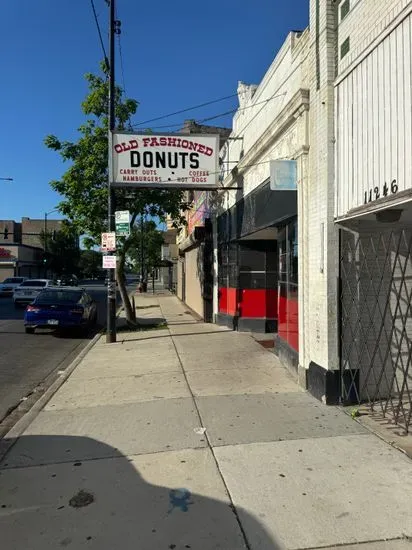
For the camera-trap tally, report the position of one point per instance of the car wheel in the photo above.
(29, 330)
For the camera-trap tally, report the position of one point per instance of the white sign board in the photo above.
(109, 262)
(161, 161)
(108, 242)
(122, 216)
(122, 222)
(283, 175)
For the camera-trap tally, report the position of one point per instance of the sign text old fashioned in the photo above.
(161, 161)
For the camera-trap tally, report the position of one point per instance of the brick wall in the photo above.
(14, 231)
(32, 229)
(318, 252)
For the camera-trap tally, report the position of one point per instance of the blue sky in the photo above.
(175, 54)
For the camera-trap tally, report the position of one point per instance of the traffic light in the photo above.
(6, 233)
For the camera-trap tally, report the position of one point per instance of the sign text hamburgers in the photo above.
(158, 161)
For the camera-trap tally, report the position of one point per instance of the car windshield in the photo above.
(58, 297)
(34, 283)
(13, 280)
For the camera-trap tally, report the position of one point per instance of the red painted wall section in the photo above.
(232, 301)
(293, 324)
(223, 300)
(282, 318)
(254, 303)
(288, 321)
(258, 303)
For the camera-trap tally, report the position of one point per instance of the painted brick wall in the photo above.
(319, 249)
(287, 74)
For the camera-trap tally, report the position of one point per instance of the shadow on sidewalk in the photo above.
(76, 492)
(176, 335)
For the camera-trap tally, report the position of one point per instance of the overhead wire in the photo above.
(185, 110)
(106, 60)
(220, 115)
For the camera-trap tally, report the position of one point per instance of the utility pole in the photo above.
(141, 249)
(111, 286)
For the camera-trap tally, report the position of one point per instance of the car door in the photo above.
(92, 309)
(85, 301)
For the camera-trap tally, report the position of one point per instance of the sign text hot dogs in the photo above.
(158, 161)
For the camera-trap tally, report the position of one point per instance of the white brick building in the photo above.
(355, 213)
(256, 226)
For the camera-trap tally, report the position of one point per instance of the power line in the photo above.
(121, 62)
(220, 115)
(185, 110)
(100, 33)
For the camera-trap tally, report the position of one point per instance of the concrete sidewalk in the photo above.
(193, 436)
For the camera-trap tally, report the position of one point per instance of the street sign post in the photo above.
(108, 243)
(122, 221)
(109, 262)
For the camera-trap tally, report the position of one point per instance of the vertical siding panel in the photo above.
(355, 142)
(361, 149)
(369, 160)
(397, 44)
(365, 126)
(379, 119)
(405, 154)
(375, 103)
(396, 70)
(350, 140)
(343, 182)
(347, 183)
(337, 153)
(385, 78)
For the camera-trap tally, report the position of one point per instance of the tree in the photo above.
(146, 245)
(61, 250)
(90, 263)
(84, 184)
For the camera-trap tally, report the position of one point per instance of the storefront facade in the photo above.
(256, 225)
(373, 212)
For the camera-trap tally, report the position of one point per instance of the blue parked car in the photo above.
(63, 307)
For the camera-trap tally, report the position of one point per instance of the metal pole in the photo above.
(45, 243)
(141, 249)
(111, 285)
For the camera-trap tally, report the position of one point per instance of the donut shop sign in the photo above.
(165, 161)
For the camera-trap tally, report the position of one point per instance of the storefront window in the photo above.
(288, 285)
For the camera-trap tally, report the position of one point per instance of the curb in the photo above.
(10, 438)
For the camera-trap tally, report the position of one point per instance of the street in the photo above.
(26, 360)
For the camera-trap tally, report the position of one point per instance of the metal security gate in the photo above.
(376, 320)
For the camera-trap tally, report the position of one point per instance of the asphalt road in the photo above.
(26, 360)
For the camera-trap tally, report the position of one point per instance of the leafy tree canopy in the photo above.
(84, 184)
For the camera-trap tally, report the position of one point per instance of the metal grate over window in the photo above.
(376, 321)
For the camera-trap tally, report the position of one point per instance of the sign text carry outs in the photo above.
(161, 161)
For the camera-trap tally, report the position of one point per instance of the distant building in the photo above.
(195, 240)
(21, 249)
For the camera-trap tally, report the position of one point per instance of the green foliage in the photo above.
(90, 264)
(147, 238)
(62, 251)
(84, 184)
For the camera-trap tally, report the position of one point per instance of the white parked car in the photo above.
(29, 290)
(9, 284)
